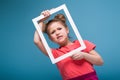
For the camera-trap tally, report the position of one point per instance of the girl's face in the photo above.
(58, 33)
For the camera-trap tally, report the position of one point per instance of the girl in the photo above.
(80, 65)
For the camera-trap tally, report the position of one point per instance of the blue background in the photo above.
(97, 21)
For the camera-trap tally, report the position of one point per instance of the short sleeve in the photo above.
(54, 52)
(89, 46)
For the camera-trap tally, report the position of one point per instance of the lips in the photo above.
(59, 37)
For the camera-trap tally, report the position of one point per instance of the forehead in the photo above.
(54, 25)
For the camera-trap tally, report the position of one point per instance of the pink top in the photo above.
(70, 68)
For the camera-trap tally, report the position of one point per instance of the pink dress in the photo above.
(72, 69)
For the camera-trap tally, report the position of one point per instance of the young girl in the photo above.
(80, 65)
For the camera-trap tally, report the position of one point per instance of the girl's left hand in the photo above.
(78, 56)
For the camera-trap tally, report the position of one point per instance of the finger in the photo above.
(42, 13)
(75, 56)
(47, 13)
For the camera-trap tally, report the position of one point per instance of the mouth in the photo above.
(59, 37)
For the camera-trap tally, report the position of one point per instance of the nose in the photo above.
(57, 32)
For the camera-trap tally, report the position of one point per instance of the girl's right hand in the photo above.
(46, 15)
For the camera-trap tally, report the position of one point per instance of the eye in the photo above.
(53, 32)
(59, 28)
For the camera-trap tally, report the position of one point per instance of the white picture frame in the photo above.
(48, 49)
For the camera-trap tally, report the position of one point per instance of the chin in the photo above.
(62, 43)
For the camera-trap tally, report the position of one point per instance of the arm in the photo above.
(37, 39)
(38, 42)
(93, 57)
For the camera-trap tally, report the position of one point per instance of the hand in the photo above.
(78, 56)
(46, 15)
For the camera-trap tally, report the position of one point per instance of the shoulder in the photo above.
(89, 45)
(86, 42)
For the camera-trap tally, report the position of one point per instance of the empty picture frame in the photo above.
(48, 49)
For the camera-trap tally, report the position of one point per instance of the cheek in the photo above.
(65, 32)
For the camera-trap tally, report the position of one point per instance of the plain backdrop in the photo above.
(97, 20)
